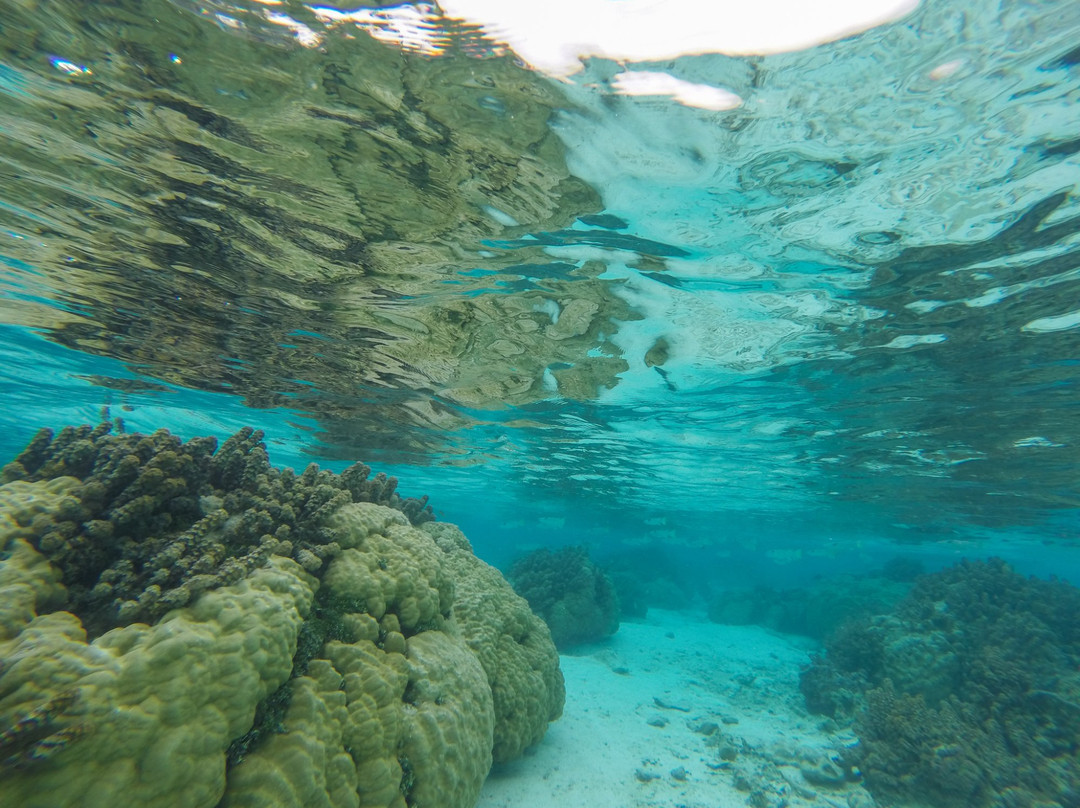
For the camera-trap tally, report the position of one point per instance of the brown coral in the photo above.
(157, 521)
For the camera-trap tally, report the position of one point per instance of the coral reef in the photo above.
(156, 521)
(816, 610)
(356, 657)
(513, 645)
(966, 694)
(646, 578)
(574, 596)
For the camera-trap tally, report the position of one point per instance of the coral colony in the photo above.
(182, 626)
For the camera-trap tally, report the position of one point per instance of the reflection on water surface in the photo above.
(854, 284)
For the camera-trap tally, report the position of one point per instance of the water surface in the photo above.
(837, 307)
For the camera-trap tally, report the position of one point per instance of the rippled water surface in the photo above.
(840, 302)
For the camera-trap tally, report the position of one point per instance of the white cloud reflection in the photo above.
(412, 27)
(555, 35)
(647, 82)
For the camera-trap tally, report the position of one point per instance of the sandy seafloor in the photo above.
(677, 712)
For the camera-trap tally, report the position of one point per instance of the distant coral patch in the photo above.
(573, 596)
(966, 694)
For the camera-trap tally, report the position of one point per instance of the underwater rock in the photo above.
(821, 771)
(361, 678)
(573, 596)
(707, 728)
(966, 694)
(788, 774)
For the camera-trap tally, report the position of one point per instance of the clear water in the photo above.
(768, 342)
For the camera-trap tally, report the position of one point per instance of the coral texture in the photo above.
(513, 645)
(336, 667)
(157, 521)
(574, 596)
(967, 694)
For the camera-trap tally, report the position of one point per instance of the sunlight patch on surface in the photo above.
(650, 83)
(555, 36)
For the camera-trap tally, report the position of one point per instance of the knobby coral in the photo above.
(513, 646)
(353, 658)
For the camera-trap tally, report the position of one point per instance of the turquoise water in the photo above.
(833, 322)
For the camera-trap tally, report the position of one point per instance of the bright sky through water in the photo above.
(555, 35)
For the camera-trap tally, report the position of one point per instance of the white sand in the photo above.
(682, 672)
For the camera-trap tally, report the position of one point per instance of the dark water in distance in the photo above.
(841, 314)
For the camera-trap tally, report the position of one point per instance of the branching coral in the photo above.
(965, 695)
(157, 521)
